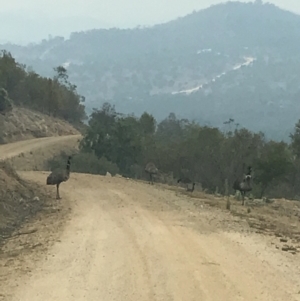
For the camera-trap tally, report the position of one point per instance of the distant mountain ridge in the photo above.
(233, 60)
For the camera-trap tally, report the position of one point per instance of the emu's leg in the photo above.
(243, 197)
(57, 192)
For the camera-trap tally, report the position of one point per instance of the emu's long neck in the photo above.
(249, 172)
(248, 182)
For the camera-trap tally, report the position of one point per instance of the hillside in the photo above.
(233, 60)
(23, 124)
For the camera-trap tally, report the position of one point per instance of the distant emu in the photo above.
(185, 180)
(58, 176)
(151, 170)
(245, 185)
(191, 189)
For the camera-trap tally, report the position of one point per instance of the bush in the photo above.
(85, 163)
(5, 102)
(89, 163)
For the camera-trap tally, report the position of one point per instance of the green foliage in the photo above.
(295, 140)
(186, 149)
(85, 163)
(56, 97)
(273, 164)
(5, 102)
(115, 137)
(147, 123)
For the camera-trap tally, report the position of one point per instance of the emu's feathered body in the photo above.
(58, 176)
(185, 180)
(245, 185)
(191, 189)
(151, 170)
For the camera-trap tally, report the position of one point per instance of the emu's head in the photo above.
(248, 178)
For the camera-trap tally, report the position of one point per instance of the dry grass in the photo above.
(23, 124)
(19, 200)
(37, 159)
(279, 219)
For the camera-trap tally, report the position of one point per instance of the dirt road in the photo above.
(125, 240)
(14, 149)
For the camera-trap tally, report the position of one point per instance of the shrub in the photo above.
(85, 163)
(5, 102)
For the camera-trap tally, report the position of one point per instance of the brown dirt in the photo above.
(278, 220)
(36, 158)
(43, 147)
(17, 201)
(23, 124)
(18, 198)
(118, 239)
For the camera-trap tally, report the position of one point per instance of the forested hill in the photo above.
(56, 97)
(233, 60)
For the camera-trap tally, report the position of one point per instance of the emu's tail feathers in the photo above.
(50, 180)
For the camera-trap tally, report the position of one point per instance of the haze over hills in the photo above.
(23, 26)
(234, 60)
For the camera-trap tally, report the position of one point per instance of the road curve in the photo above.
(14, 149)
(125, 240)
(131, 241)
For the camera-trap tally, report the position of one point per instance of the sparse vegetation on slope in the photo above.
(56, 97)
(22, 124)
(32, 106)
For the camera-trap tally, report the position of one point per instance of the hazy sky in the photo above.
(35, 19)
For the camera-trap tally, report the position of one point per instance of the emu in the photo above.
(151, 170)
(191, 189)
(245, 185)
(185, 180)
(58, 176)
